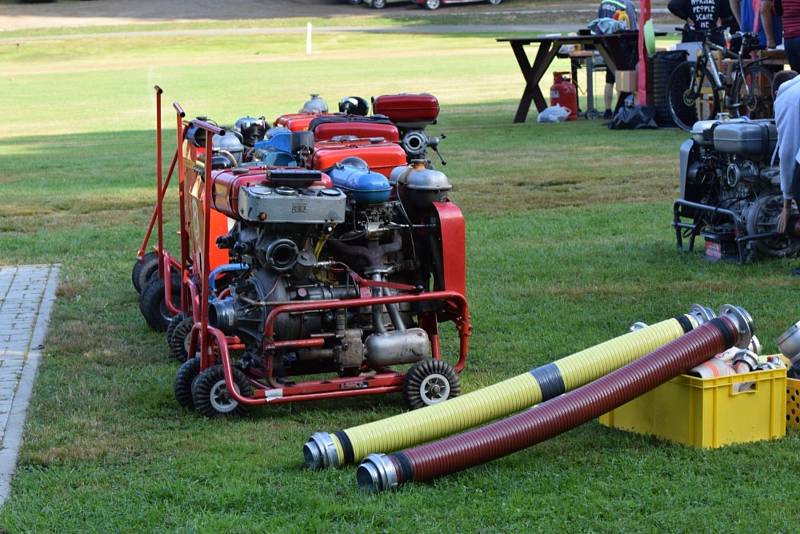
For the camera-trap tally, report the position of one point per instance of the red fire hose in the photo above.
(551, 418)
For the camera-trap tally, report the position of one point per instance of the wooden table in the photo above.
(614, 48)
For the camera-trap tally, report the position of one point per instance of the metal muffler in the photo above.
(397, 347)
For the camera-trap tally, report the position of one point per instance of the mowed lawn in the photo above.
(569, 241)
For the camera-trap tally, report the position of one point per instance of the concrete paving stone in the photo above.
(25, 293)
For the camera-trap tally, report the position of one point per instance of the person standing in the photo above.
(787, 120)
(701, 17)
(790, 10)
(761, 17)
(618, 10)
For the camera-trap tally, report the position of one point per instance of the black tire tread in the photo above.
(674, 81)
(176, 341)
(202, 391)
(183, 382)
(152, 298)
(143, 270)
(417, 373)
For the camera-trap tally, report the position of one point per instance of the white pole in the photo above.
(308, 38)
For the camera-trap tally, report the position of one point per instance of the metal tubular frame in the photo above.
(739, 228)
(384, 382)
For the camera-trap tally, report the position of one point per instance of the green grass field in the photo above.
(569, 241)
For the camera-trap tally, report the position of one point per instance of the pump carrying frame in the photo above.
(214, 347)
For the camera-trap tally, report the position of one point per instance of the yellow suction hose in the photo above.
(349, 446)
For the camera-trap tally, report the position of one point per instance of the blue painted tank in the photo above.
(352, 175)
(278, 139)
(276, 148)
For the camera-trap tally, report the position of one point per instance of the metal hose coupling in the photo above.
(377, 472)
(701, 314)
(743, 321)
(320, 451)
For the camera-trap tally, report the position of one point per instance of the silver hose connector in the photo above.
(320, 451)
(789, 342)
(743, 321)
(701, 314)
(377, 473)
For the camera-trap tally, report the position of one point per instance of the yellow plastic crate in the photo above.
(708, 413)
(792, 403)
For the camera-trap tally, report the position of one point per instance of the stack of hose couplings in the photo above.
(736, 360)
(532, 407)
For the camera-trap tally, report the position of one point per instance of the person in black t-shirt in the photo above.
(702, 15)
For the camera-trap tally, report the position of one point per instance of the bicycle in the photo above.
(696, 88)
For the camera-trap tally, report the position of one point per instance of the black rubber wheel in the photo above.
(152, 305)
(758, 104)
(174, 321)
(210, 394)
(683, 106)
(430, 382)
(185, 377)
(761, 217)
(178, 332)
(432, 4)
(378, 4)
(144, 270)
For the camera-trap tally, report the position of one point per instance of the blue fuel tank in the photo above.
(352, 175)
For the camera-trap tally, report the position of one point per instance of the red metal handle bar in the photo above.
(179, 109)
(153, 216)
(207, 126)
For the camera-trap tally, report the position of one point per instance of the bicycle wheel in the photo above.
(753, 93)
(691, 100)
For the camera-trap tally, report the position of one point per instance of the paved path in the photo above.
(26, 298)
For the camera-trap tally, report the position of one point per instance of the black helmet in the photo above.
(354, 105)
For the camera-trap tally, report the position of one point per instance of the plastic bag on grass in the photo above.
(557, 113)
(634, 118)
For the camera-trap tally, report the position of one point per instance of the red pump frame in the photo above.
(213, 343)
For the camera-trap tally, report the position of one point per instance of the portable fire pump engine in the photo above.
(289, 271)
(730, 192)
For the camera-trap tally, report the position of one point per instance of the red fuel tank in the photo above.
(408, 110)
(297, 122)
(563, 92)
(328, 130)
(381, 157)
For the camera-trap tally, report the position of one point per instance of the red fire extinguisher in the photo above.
(563, 92)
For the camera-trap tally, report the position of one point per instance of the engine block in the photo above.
(730, 192)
